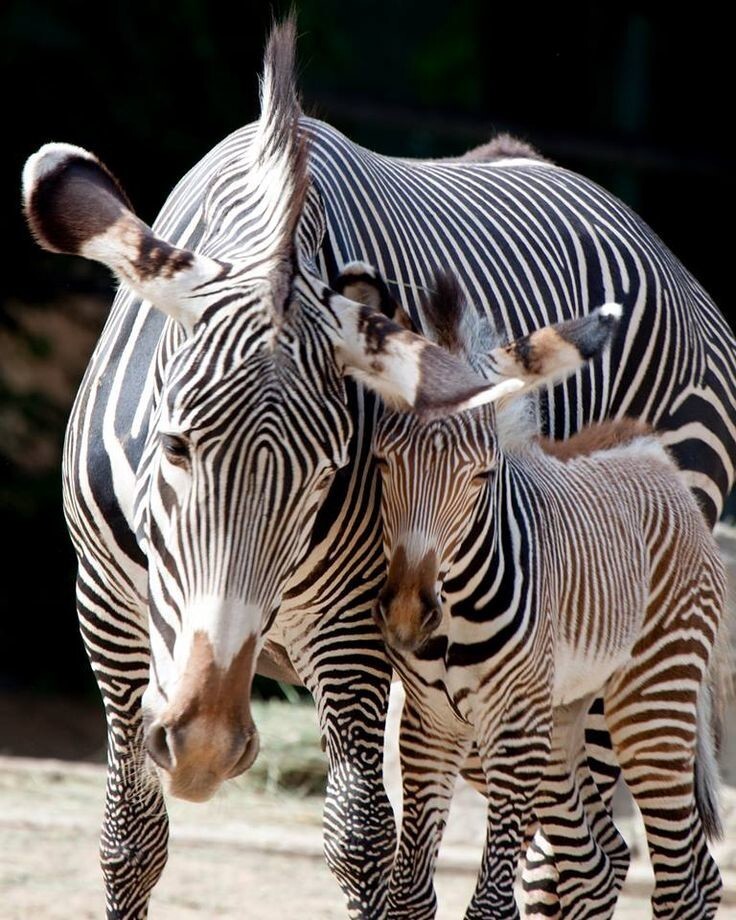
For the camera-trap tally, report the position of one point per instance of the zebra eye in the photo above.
(483, 476)
(325, 477)
(176, 449)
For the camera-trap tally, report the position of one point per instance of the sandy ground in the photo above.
(246, 854)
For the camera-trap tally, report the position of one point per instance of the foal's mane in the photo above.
(594, 437)
(459, 329)
(452, 323)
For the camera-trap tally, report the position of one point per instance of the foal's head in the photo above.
(436, 471)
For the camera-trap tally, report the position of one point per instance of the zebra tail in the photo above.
(710, 714)
(707, 776)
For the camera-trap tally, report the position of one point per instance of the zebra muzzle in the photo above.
(407, 621)
(196, 759)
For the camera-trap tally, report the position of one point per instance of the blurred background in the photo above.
(633, 98)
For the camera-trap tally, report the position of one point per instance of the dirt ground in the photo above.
(246, 854)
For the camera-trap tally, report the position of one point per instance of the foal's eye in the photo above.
(483, 476)
(176, 448)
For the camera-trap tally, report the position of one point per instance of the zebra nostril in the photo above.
(157, 745)
(431, 619)
(249, 754)
(380, 612)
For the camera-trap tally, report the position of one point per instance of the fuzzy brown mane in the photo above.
(443, 311)
(501, 147)
(599, 436)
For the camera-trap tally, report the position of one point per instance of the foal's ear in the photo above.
(406, 370)
(74, 205)
(554, 352)
(363, 283)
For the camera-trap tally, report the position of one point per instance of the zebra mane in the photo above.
(452, 323)
(501, 147)
(281, 154)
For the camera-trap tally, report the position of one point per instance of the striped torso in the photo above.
(531, 243)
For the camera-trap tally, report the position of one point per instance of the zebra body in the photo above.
(564, 578)
(235, 271)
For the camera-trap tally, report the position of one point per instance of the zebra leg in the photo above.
(658, 763)
(431, 756)
(513, 750)
(587, 885)
(350, 683)
(135, 829)
(598, 774)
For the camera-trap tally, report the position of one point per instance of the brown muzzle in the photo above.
(206, 734)
(408, 610)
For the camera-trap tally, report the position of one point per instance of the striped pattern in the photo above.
(531, 243)
(562, 580)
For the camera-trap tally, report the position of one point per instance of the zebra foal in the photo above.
(583, 569)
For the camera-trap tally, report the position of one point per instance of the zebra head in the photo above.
(436, 473)
(250, 421)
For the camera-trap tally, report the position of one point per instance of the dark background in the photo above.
(636, 97)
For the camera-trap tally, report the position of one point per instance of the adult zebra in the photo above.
(210, 426)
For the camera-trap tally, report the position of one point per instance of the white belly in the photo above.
(578, 674)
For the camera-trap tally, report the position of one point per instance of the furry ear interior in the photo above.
(406, 370)
(364, 284)
(554, 352)
(74, 204)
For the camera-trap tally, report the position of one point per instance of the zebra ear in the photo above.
(363, 283)
(74, 205)
(554, 352)
(406, 370)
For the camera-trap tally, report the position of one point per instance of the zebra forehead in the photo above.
(227, 379)
(404, 431)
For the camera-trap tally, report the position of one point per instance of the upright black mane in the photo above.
(280, 105)
(282, 150)
(443, 310)
(453, 323)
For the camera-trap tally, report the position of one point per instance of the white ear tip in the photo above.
(46, 159)
(612, 309)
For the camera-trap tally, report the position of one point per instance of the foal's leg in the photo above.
(598, 773)
(514, 747)
(432, 752)
(652, 715)
(588, 885)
